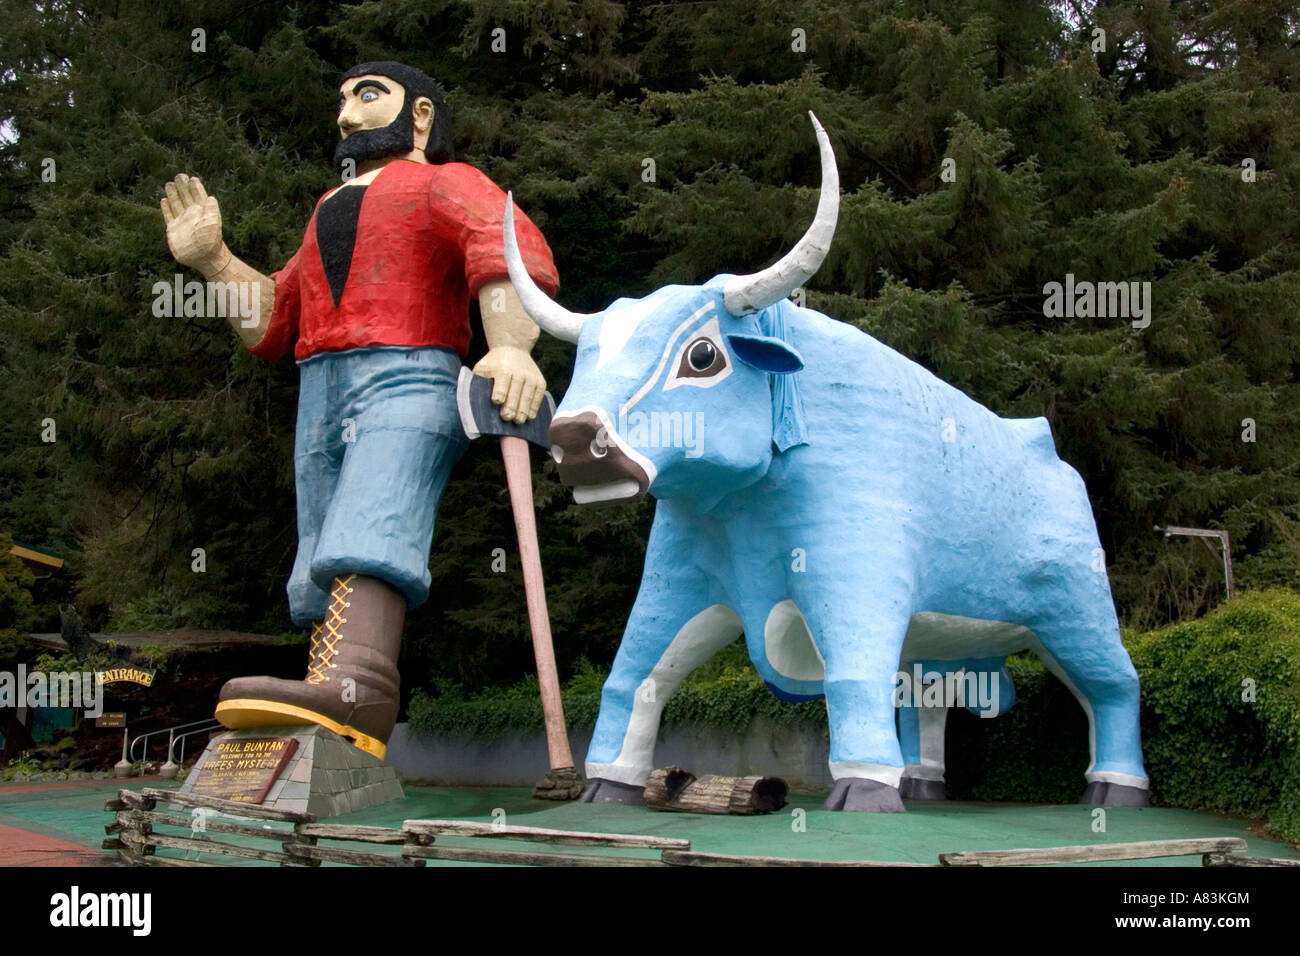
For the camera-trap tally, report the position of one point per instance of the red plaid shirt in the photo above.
(428, 237)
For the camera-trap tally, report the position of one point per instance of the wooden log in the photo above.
(540, 835)
(522, 857)
(214, 846)
(136, 843)
(175, 861)
(332, 854)
(132, 819)
(694, 858)
(1228, 859)
(665, 785)
(342, 831)
(233, 807)
(130, 800)
(1145, 850)
(674, 789)
(131, 859)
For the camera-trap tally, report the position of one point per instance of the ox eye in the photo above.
(702, 355)
(701, 359)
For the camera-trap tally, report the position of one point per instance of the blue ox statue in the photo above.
(835, 502)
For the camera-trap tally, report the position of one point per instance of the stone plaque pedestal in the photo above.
(324, 774)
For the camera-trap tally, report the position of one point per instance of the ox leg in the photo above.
(669, 634)
(921, 738)
(861, 654)
(1089, 658)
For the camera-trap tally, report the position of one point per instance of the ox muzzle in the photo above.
(596, 463)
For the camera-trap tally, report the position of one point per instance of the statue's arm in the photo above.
(517, 382)
(193, 221)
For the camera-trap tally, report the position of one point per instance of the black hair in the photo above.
(417, 84)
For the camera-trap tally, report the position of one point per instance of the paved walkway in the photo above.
(25, 848)
(34, 817)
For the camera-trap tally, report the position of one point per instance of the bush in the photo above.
(1221, 710)
(25, 765)
(725, 692)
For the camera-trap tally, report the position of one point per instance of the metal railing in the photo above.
(142, 741)
(174, 763)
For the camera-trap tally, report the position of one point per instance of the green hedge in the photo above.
(725, 692)
(1206, 748)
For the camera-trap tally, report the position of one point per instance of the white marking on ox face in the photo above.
(619, 324)
(663, 358)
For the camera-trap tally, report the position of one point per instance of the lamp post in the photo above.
(1205, 534)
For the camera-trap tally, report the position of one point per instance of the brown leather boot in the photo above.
(352, 683)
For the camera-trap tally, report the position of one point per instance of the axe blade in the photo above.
(479, 416)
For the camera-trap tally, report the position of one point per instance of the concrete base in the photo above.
(798, 755)
(326, 776)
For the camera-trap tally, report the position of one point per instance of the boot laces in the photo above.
(324, 642)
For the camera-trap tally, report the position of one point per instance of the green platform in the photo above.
(918, 836)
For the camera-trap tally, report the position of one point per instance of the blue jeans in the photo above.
(377, 436)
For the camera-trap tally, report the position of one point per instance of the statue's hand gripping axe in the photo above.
(479, 416)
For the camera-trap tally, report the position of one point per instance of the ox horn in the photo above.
(743, 294)
(552, 317)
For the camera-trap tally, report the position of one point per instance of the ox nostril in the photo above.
(597, 447)
(557, 453)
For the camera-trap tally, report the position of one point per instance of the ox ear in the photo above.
(765, 353)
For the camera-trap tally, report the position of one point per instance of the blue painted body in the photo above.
(861, 491)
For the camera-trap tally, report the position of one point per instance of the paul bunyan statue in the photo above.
(374, 305)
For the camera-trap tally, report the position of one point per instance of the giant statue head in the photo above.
(388, 109)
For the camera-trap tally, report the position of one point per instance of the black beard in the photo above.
(395, 139)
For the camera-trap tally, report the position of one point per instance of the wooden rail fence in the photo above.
(134, 838)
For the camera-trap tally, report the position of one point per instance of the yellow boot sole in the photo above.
(246, 713)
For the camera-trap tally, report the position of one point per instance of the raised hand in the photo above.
(193, 221)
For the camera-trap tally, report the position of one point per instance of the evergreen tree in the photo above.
(1167, 154)
(15, 645)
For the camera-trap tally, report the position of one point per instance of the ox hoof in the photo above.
(914, 788)
(611, 791)
(865, 796)
(1102, 794)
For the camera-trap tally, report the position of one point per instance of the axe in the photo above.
(479, 416)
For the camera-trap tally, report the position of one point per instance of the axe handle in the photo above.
(514, 452)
